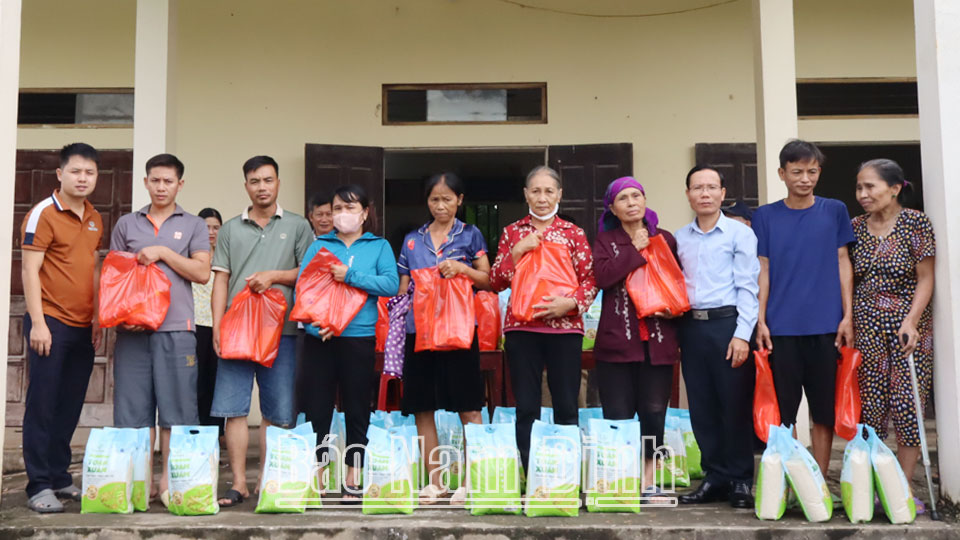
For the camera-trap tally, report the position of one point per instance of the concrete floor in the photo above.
(342, 522)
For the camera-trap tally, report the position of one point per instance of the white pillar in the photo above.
(937, 29)
(151, 88)
(775, 95)
(9, 90)
(775, 83)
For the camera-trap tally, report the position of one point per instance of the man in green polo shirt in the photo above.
(261, 248)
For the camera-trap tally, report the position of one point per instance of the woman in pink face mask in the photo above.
(346, 362)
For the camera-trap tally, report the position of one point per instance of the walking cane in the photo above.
(920, 428)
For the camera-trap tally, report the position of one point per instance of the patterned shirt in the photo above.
(464, 244)
(561, 232)
(201, 302)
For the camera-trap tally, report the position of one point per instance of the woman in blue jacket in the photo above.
(346, 362)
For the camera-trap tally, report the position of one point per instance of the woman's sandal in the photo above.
(233, 498)
(351, 495)
(653, 495)
(431, 494)
(459, 496)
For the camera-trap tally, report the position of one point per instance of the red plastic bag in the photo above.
(252, 327)
(322, 299)
(132, 293)
(766, 409)
(659, 284)
(848, 394)
(488, 320)
(443, 311)
(383, 323)
(546, 270)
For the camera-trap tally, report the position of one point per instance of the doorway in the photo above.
(493, 180)
(585, 170)
(839, 177)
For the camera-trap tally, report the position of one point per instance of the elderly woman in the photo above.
(893, 277)
(635, 357)
(449, 380)
(554, 338)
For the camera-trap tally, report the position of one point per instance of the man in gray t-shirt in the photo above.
(155, 373)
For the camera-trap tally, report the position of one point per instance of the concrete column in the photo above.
(154, 42)
(775, 95)
(938, 79)
(775, 82)
(9, 90)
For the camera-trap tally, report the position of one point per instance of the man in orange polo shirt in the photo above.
(60, 237)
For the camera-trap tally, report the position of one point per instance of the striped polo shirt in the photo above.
(70, 245)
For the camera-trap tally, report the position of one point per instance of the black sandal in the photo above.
(233, 496)
(352, 496)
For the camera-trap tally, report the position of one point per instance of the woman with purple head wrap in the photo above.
(635, 357)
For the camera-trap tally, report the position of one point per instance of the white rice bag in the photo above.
(856, 479)
(892, 486)
(808, 483)
(771, 499)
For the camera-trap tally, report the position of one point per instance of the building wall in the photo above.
(266, 77)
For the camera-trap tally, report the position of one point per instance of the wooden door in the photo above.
(585, 171)
(331, 165)
(738, 163)
(36, 178)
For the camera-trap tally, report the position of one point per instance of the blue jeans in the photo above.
(231, 397)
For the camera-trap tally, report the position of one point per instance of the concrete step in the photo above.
(702, 522)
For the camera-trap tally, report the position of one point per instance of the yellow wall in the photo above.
(77, 44)
(266, 77)
(314, 74)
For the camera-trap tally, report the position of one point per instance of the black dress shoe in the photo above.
(740, 496)
(707, 492)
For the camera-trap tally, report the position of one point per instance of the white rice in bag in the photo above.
(856, 480)
(771, 499)
(808, 484)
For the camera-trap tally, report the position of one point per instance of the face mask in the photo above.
(547, 217)
(348, 223)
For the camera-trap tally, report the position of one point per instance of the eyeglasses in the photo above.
(709, 188)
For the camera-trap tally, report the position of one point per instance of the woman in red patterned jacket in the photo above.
(555, 337)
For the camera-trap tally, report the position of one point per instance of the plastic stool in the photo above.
(394, 404)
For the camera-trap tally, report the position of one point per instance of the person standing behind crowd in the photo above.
(346, 362)
(260, 248)
(155, 373)
(720, 266)
(60, 237)
(449, 380)
(806, 292)
(321, 214)
(893, 271)
(635, 358)
(206, 356)
(554, 338)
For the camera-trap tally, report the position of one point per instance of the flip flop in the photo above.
(431, 494)
(70, 492)
(233, 497)
(921, 508)
(165, 498)
(350, 495)
(45, 502)
(459, 496)
(652, 493)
